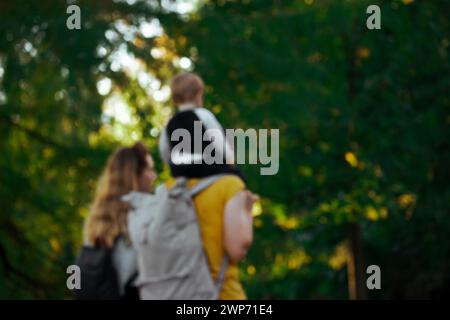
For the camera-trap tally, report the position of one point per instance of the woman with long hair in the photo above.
(128, 169)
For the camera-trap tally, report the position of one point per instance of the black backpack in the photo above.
(98, 276)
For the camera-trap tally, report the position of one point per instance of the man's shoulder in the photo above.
(228, 185)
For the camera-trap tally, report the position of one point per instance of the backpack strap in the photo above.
(221, 276)
(204, 183)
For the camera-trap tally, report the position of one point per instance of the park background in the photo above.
(363, 118)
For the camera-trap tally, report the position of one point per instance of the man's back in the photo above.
(210, 204)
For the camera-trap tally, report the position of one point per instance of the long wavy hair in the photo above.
(107, 218)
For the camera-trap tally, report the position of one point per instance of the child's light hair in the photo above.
(185, 87)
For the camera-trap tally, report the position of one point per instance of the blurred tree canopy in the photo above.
(363, 119)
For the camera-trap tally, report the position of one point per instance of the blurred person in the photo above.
(224, 208)
(224, 214)
(190, 251)
(187, 94)
(189, 237)
(105, 230)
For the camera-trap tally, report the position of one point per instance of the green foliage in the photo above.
(53, 147)
(363, 119)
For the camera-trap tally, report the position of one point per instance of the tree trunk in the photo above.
(355, 267)
(356, 275)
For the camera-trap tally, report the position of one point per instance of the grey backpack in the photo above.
(164, 231)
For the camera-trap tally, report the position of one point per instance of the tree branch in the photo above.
(32, 133)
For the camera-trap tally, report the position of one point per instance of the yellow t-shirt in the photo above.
(210, 204)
